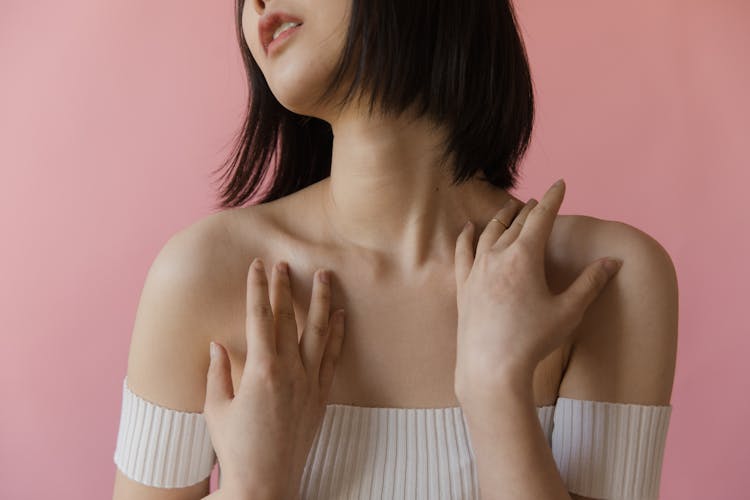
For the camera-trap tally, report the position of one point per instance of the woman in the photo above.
(502, 356)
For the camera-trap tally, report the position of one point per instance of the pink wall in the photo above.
(113, 113)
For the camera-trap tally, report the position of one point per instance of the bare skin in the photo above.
(400, 343)
(385, 223)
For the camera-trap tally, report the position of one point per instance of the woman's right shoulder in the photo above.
(181, 307)
(202, 251)
(192, 282)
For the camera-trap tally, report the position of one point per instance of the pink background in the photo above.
(112, 115)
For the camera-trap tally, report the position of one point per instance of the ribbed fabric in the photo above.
(610, 450)
(602, 450)
(162, 447)
(394, 453)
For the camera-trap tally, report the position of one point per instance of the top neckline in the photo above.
(399, 408)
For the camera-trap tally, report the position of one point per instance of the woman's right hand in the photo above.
(263, 434)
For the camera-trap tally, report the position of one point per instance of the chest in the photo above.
(399, 348)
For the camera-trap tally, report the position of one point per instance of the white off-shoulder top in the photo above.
(602, 450)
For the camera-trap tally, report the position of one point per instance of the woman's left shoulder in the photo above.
(585, 238)
(629, 332)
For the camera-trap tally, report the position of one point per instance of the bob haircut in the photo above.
(466, 68)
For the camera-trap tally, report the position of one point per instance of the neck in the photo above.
(387, 193)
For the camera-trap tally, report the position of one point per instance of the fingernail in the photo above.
(612, 265)
(558, 183)
(258, 264)
(323, 276)
(468, 223)
(214, 351)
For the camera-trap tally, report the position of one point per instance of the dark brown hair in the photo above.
(464, 64)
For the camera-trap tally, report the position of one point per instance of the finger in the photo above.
(464, 255)
(539, 222)
(494, 229)
(511, 234)
(589, 284)
(219, 388)
(315, 334)
(259, 322)
(287, 343)
(332, 352)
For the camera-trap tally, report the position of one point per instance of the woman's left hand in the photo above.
(508, 321)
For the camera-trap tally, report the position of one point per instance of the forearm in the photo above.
(267, 492)
(513, 458)
(222, 495)
(241, 489)
(226, 494)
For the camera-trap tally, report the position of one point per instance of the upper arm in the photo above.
(127, 489)
(625, 348)
(168, 356)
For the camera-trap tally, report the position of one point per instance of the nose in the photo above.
(260, 6)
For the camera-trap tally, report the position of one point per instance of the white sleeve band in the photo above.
(162, 447)
(610, 450)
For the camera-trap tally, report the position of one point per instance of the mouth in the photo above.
(280, 39)
(279, 25)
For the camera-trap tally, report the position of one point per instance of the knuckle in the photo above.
(483, 261)
(267, 369)
(318, 328)
(271, 374)
(285, 314)
(518, 253)
(323, 294)
(540, 209)
(262, 309)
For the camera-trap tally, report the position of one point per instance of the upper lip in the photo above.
(268, 24)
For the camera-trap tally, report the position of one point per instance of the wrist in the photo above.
(480, 392)
(261, 491)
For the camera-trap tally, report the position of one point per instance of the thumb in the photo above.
(218, 381)
(590, 283)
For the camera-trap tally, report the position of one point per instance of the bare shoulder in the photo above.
(213, 246)
(173, 310)
(578, 240)
(199, 258)
(592, 236)
(179, 310)
(625, 346)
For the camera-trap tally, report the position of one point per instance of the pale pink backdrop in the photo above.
(112, 115)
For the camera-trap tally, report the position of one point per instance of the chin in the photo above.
(298, 96)
(296, 102)
(297, 78)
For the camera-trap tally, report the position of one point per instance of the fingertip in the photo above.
(612, 265)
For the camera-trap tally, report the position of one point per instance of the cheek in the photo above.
(250, 31)
(302, 69)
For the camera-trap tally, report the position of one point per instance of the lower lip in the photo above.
(275, 44)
